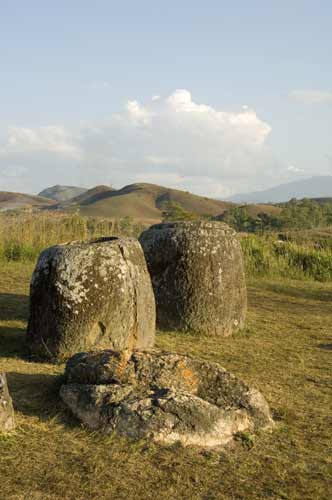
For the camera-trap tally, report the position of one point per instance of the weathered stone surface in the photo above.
(7, 419)
(162, 396)
(198, 276)
(95, 294)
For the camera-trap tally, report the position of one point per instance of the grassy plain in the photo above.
(301, 255)
(285, 351)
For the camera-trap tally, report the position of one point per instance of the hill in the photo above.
(322, 201)
(61, 193)
(314, 187)
(92, 195)
(142, 202)
(260, 208)
(13, 201)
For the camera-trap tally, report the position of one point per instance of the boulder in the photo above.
(7, 419)
(197, 273)
(86, 295)
(162, 396)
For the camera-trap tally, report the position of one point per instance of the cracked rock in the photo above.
(162, 396)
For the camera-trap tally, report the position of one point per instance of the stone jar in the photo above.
(198, 276)
(93, 294)
(7, 419)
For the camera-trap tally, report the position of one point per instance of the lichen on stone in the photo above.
(77, 287)
(162, 396)
(7, 418)
(197, 273)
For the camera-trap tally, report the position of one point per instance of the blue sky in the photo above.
(68, 70)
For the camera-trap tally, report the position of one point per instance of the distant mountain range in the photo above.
(61, 193)
(315, 187)
(144, 202)
(14, 201)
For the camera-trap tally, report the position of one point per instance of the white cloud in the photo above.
(311, 96)
(294, 170)
(173, 141)
(138, 114)
(53, 139)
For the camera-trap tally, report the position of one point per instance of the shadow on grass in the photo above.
(14, 307)
(288, 303)
(300, 290)
(12, 342)
(326, 347)
(37, 395)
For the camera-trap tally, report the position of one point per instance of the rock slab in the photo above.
(7, 418)
(197, 273)
(162, 396)
(95, 294)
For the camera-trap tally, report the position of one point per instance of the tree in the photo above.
(173, 211)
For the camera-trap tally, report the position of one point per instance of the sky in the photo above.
(215, 97)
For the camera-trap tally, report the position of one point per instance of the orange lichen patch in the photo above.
(188, 376)
(122, 364)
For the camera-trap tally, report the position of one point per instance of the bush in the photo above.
(173, 211)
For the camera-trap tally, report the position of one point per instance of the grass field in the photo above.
(286, 352)
(302, 255)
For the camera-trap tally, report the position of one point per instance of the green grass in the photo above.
(266, 256)
(285, 351)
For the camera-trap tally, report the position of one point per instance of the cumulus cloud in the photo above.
(173, 141)
(311, 96)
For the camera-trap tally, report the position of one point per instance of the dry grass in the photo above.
(286, 352)
(24, 235)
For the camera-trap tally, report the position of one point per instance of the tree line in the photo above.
(295, 214)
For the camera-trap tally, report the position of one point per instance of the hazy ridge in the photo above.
(314, 187)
